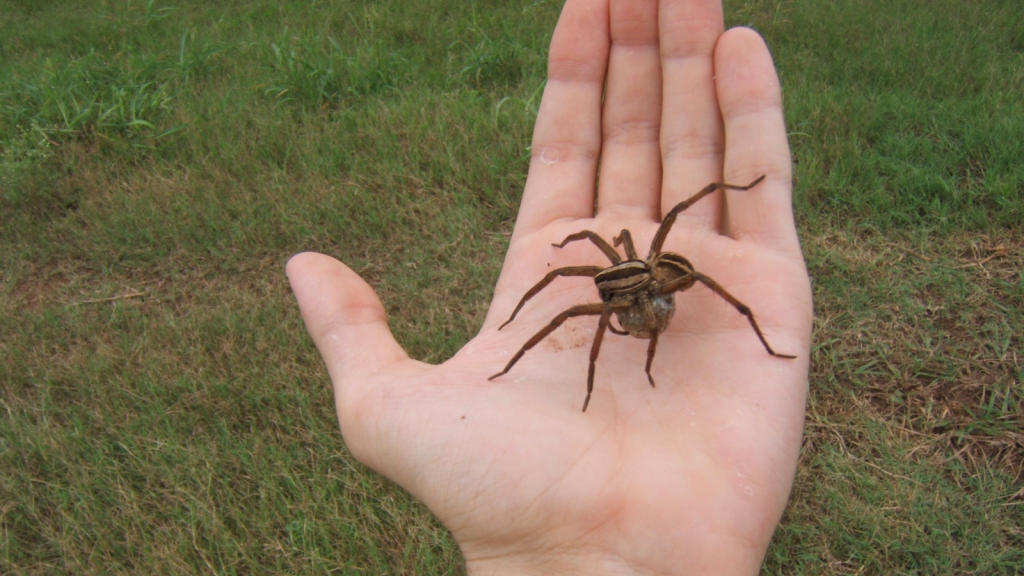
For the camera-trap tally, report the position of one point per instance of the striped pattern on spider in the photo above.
(641, 293)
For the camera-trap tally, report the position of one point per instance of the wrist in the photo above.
(552, 565)
(739, 563)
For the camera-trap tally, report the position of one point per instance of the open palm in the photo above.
(688, 477)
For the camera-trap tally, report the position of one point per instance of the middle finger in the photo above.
(630, 179)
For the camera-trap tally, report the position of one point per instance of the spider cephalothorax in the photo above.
(640, 293)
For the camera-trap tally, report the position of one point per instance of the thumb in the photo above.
(344, 317)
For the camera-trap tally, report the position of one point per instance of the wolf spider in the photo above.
(640, 293)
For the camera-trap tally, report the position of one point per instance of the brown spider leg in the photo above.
(685, 281)
(594, 349)
(614, 330)
(650, 357)
(626, 238)
(597, 240)
(590, 271)
(670, 218)
(583, 310)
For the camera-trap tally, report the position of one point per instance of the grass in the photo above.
(166, 413)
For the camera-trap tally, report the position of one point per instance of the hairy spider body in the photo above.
(640, 293)
(647, 315)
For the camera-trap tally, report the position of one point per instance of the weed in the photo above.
(91, 98)
(319, 71)
(194, 62)
(490, 65)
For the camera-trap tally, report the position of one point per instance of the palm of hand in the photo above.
(701, 454)
(690, 476)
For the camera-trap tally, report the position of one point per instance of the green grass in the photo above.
(905, 113)
(164, 411)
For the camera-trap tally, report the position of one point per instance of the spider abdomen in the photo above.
(648, 314)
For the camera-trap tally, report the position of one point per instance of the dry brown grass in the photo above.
(924, 335)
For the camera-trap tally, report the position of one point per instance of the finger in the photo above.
(630, 179)
(567, 137)
(755, 135)
(691, 131)
(344, 317)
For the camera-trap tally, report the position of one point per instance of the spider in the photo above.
(640, 293)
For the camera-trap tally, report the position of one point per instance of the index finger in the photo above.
(755, 135)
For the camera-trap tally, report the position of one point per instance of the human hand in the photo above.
(689, 477)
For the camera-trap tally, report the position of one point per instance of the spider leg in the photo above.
(650, 357)
(597, 240)
(594, 349)
(686, 281)
(583, 310)
(590, 271)
(614, 330)
(670, 218)
(626, 238)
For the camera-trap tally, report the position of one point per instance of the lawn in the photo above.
(162, 410)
